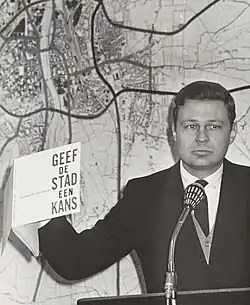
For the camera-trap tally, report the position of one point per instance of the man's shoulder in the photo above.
(154, 179)
(237, 167)
(237, 171)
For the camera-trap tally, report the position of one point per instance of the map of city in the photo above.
(105, 73)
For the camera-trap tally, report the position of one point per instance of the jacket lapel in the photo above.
(167, 209)
(230, 212)
(187, 241)
(173, 195)
(173, 192)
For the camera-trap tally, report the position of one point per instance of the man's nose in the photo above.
(202, 136)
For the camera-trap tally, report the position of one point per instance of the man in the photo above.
(144, 219)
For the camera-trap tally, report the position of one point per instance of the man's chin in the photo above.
(204, 164)
(201, 169)
(200, 162)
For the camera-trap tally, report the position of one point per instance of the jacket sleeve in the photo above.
(75, 256)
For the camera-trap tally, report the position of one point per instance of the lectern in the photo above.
(232, 296)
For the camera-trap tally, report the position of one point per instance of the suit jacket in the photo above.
(144, 220)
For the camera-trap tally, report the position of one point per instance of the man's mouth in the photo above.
(202, 152)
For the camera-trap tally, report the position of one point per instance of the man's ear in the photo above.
(233, 132)
(174, 132)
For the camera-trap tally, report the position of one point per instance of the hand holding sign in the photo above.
(39, 187)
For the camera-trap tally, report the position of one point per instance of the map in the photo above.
(104, 73)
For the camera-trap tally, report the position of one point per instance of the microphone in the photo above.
(193, 196)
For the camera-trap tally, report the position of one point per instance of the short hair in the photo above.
(204, 90)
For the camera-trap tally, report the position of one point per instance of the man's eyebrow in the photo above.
(216, 121)
(195, 121)
(189, 121)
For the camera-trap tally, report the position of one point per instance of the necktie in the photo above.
(201, 212)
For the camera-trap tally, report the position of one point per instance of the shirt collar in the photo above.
(187, 178)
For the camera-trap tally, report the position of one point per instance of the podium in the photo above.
(232, 296)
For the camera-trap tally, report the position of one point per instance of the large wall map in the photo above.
(104, 73)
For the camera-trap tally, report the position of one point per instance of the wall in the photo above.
(54, 90)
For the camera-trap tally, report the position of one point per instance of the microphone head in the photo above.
(194, 194)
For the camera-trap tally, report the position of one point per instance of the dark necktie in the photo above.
(201, 212)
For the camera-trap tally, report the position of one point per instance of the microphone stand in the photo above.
(193, 196)
(171, 275)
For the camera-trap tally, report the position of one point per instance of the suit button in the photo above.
(207, 244)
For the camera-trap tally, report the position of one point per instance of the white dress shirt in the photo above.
(212, 190)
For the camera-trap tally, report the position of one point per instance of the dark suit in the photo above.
(144, 219)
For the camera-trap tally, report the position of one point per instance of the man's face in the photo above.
(203, 135)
